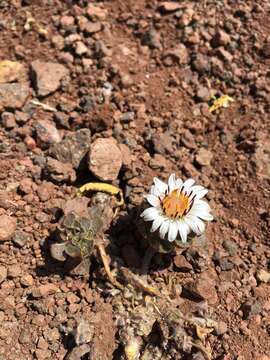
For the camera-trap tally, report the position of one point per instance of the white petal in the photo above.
(161, 186)
(156, 223)
(178, 183)
(192, 225)
(150, 214)
(184, 230)
(171, 182)
(201, 205)
(197, 188)
(153, 200)
(164, 228)
(173, 230)
(204, 215)
(194, 221)
(188, 183)
(200, 194)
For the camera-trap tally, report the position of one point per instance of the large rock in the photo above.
(13, 96)
(47, 76)
(105, 159)
(72, 148)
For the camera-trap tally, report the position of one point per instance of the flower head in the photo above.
(177, 207)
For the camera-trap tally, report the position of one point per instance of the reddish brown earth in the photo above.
(141, 72)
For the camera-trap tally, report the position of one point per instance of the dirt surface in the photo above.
(141, 73)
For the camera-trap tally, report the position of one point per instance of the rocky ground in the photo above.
(130, 83)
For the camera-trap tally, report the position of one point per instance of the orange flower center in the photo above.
(176, 204)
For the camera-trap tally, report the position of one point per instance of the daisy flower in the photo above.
(177, 207)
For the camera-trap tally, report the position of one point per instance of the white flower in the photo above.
(177, 207)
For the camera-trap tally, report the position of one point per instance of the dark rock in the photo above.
(72, 148)
(152, 39)
(201, 64)
(21, 238)
(59, 171)
(266, 50)
(250, 308)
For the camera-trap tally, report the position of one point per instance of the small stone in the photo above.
(89, 27)
(8, 226)
(45, 191)
(203, 94)
(250, 308)
(42, 343)
(84, 332)
(221, 38)
(188, 140)
(169, 6)
(263, 276)
(44, 290)
(14, 271)
(59, 171)
(67, 22)
(21, 117)
(126, 80)
(266, 50)
(177, 55)
(162, 143)
(186, 17)
(72, 298)
(62, 119)
(96, 12)
(20, 238)
(78, 352)
(3, 273)
(152, 39)
(58, 42)
(27, 280)
(8, 120)
(30, 142)
(13, 96)
(47, 76)
(81, 48)
(26, 186)
(201, 64)
(47, 134)
(42, 354)
(221, 328)
(225, 55)
(203, 288)
(105, 159)
(181, 263)
(73, 148)
(230, 246)
(78, 205)
(11, 71)
(204, 157)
